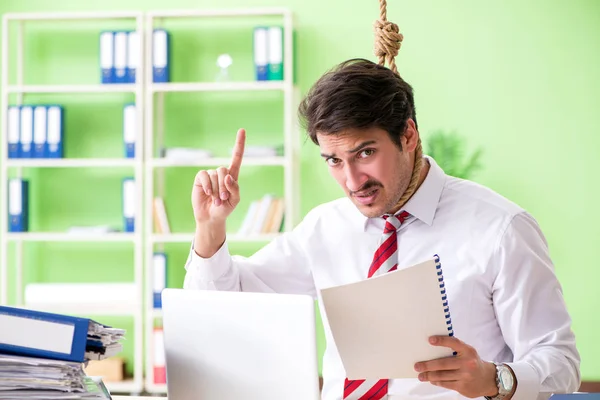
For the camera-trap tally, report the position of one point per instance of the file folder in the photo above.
(14, 117)
(120, 57)
(44, 335)
(133, 55)
(54, 120)
(18, 205)
(55, 336)
(161, 54)
(40, 142)
(26, 132)
(275, 50)
(261, 44)
(159, 264)
(129, 204)
(107, 57)
(129, 129)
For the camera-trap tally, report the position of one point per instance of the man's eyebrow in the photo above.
(354, 150)
(361, 146)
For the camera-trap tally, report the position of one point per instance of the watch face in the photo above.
(506, 379)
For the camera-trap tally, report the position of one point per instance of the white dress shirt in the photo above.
(504, 297)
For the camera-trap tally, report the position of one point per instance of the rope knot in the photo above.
(388, 39)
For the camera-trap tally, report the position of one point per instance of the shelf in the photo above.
(128, 386)
(217, 162)
(217, 86)
(71, 162)
(154, 388)
(99, 88)
(266, 11)
(70, 237)
(71, 16)
(187, 238)
(83, 310)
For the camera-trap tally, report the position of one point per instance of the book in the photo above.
(381, 325)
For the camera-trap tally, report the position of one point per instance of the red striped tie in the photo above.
(384, 260)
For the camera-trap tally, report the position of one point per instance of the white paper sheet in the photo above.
(381, 325)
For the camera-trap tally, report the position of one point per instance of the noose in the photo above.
(388, 40)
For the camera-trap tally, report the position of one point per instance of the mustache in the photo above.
(368, 185)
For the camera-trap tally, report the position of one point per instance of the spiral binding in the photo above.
(438, 267)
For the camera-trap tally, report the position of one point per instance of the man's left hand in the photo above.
(465, 373)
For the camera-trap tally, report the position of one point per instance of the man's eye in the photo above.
(366, 153)
(332, 161)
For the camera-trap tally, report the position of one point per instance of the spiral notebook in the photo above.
(381, 325)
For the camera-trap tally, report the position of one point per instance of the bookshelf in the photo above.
(16, 90)
(148, 168)
(157, 134)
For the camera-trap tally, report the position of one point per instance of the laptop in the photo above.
(239, 345)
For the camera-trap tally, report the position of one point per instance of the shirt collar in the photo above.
(424, 202)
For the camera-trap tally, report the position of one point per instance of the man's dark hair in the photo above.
(358, 94)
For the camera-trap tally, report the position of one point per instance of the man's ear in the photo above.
(410, 137)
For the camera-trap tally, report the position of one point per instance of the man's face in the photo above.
(371, 169)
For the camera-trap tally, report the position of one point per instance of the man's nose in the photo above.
(355, 178)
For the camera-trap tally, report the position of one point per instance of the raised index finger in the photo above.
(238, 154)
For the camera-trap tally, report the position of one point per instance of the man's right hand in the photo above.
(216, 193)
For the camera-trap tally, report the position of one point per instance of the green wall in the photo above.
(516, 78)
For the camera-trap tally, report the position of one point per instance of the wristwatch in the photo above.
(504, 380)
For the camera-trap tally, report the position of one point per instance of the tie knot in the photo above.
(393, 222)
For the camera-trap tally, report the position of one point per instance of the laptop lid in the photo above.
(239, 345)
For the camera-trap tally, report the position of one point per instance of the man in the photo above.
(513, 335)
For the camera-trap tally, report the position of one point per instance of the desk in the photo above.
(138, 398)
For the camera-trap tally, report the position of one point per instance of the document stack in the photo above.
(42, 355)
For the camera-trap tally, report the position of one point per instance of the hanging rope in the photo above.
(388, 40)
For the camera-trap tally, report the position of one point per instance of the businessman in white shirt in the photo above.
(512, 331)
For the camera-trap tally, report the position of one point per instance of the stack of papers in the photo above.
(103, 341)
(37, 378)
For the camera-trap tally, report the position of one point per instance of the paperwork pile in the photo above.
(42, 355)
(37, 378)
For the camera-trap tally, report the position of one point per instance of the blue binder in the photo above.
(129, 129)
(40, 132)
(107, 57)
(129, 204)
(54, 136)
(26, 132)
(59, 337)
(161, 55)
(260, 45)
(18, 205)
(133, 55)
(160, 277)
(14, 123)
(120, 57)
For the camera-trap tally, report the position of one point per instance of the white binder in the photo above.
(129, 204)
(129, 130)
(14, 122)
(107, 58)
(55, 132)
(133, 55)
(40, 130)
(26, 132)
(261, 53)
(120, 57)
(160, 56)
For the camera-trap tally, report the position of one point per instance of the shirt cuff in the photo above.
(528, 381)
(212, 268)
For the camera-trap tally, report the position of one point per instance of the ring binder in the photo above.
(440, 274)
